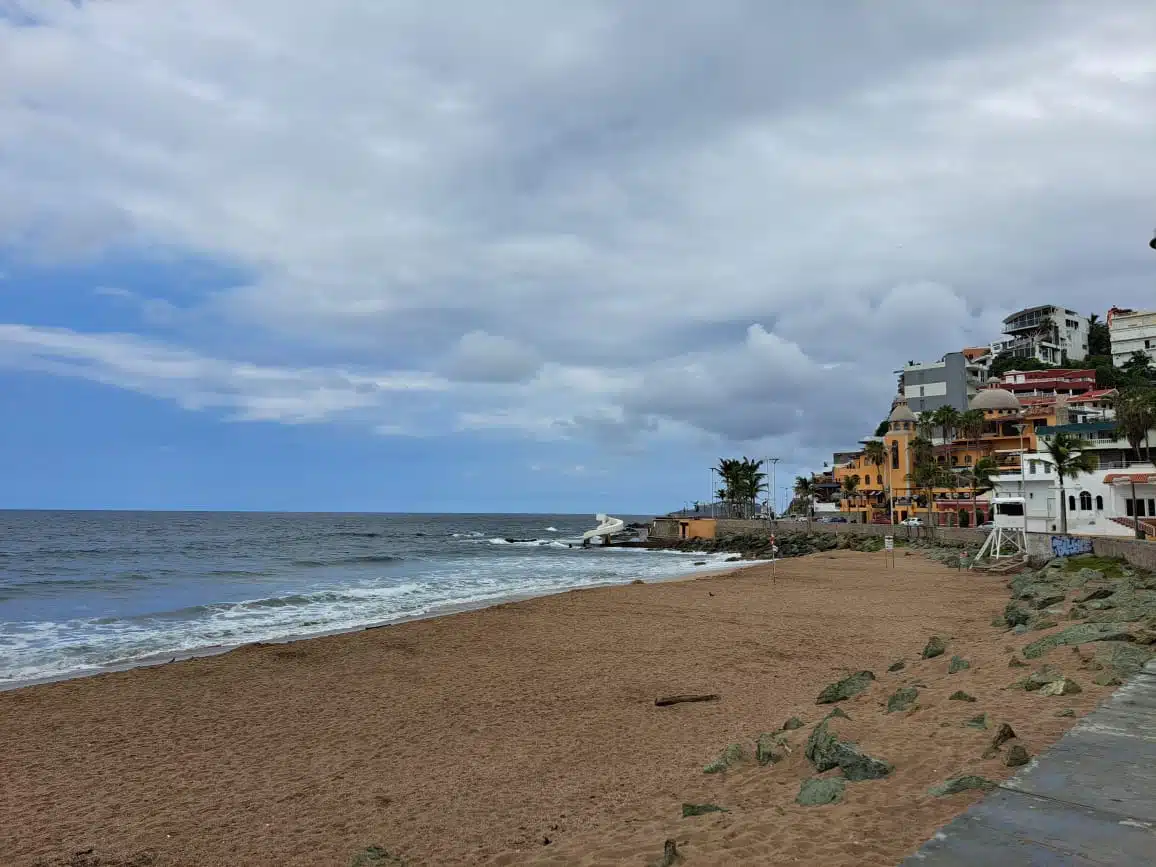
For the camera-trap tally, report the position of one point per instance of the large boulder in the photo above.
(961, 784)
(1014, 615)
(845, 688)
(1081, 633)
(732, 755)
(1063, 686)
(935, 647)
(1016, 756)
(902, 699)
(1123, 658)
(825, 751)
(818, 791)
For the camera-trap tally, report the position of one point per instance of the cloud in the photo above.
(584, 220)
(482, 357)
(250, 392)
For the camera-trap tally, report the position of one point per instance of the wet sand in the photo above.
(526, 733)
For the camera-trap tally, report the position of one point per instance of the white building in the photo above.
(1052, 334)
(1131, 331)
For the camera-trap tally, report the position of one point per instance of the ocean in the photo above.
(83, 592)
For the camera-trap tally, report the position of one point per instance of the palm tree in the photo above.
(850, 485)
(1068, 454)
(875, 453)
(805, 491)
(926, 475)
(979, 478)
(948, 419)
(1135, 416)
(742, 480)
(971, 424)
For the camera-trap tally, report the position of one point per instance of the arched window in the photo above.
(1085, 501)
(895, 456)
(879, 480)
(1071, 503)
(1099, 503)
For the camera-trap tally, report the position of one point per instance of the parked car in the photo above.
(986, 525)
(837, 520)
(911, 522)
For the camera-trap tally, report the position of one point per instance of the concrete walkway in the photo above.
(1089, 800)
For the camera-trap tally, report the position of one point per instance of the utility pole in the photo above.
(774, 489)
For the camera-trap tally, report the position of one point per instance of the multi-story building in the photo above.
(1131, 331)
(951, 381)
(1051, 334)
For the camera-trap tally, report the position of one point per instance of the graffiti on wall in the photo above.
(1068, 546)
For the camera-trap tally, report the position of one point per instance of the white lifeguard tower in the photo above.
(1007, 544)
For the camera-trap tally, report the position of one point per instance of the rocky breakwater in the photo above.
(757, 546)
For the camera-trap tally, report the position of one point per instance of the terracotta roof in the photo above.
(1098, 394)
(1138, 478)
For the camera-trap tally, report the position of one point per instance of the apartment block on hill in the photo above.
(951, 381)
(1048, 333)
(1131, 331)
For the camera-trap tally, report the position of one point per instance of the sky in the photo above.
(532, 256)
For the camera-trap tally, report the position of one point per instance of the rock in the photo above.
(1077, 612)
(1107, 678)
(1086, 575)
(734, 559)
(898, 665)
(1044, 623)
(1014, 615)
(1003, 734)
(770, 749)
(375, 856)
(1039, 679)
(792, 724)
(1068, 712)
(728, 758)
(1043, 602)
(977, 722)
(1099, 593)
(1100, 604)
(845, 688)
(1016, 662)
(818, 791)
(961, 784)
(1020, 629)
(960, 695)
(825, 751)
(689, 810)
(1016, 756)
(700, 562)
(902, 699)
(957, 664)
(934, 647)
(1079, 634)
(837, 712)
(1123, 658)
(1063, 686)
(637, 581)
(670, 855)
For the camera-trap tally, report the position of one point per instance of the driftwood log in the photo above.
(679, 699)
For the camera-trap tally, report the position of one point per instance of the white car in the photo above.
(911, 522)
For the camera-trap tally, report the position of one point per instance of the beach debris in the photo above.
(375, 856)
(960, 695)
(955, 785)
(1016, 756)
(1062, 686)
(957, 664)
(902, 699)
(670, 855)
(1068, 712)
(689, 810)
(935, 647)
(825, 751)
(818, 791)
(667, 701)
(897, 665)
(977, 722)
(1079, 634)
(728, 758)
(1016, 662)
(772, 748)
(792, 724)
(846, 688)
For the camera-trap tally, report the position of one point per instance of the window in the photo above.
(895, 456)
(879, 480)
(1128, 508)
(1071, 503)
(1099, 503)
(1033, 466)
(967, 459)
(1085, 501)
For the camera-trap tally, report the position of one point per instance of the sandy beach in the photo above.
(527, 733)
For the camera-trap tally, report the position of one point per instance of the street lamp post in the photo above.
(774, 490)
